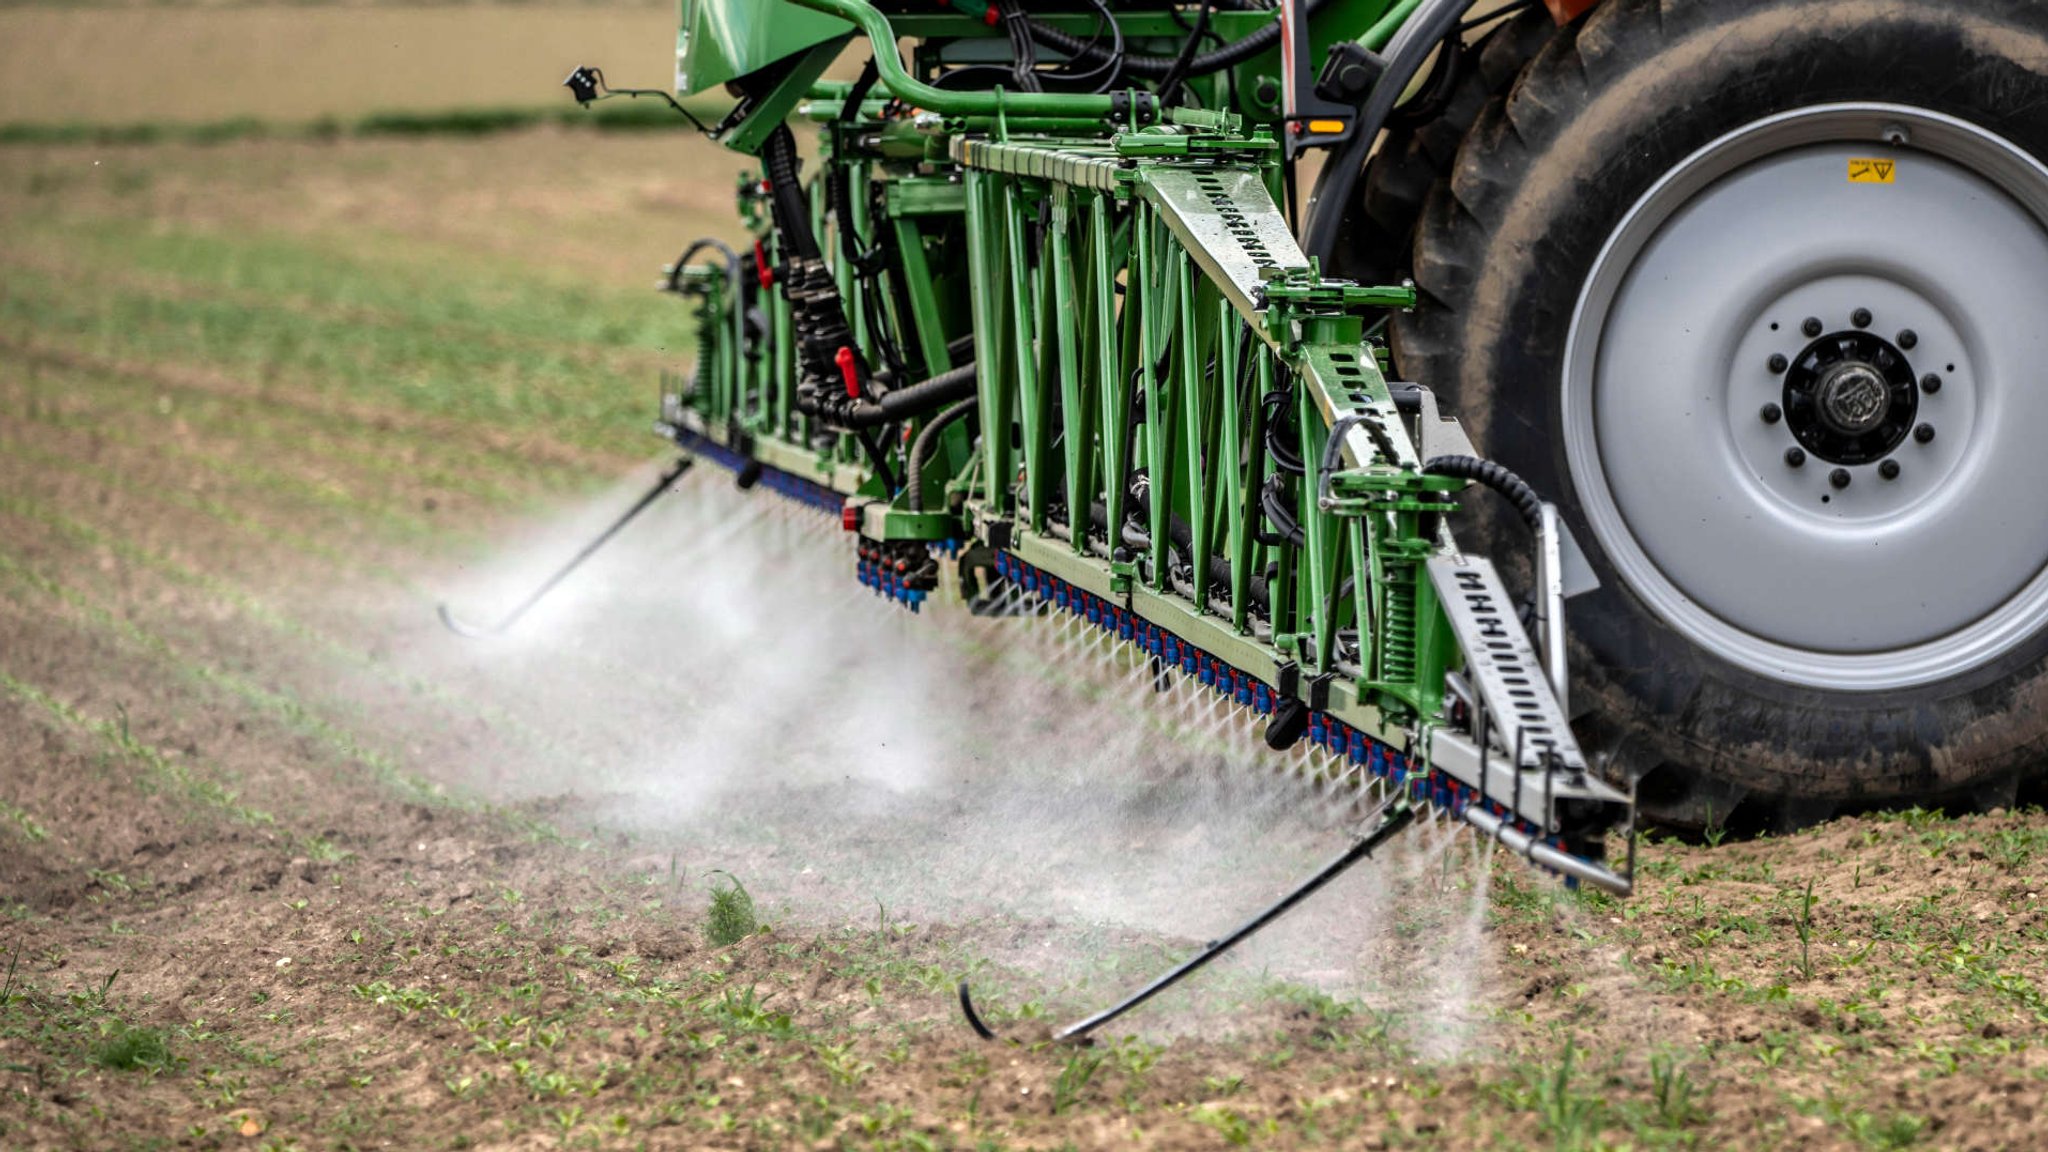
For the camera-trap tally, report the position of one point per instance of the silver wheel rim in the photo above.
(1863, 567)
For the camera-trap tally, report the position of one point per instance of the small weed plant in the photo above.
(732, 918)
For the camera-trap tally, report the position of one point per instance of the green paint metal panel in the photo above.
(721, 40)
(1140, 314)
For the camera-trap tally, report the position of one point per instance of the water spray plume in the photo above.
(1391, 819)
(761, 716)
(473, 631)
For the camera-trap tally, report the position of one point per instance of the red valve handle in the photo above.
(845, 359)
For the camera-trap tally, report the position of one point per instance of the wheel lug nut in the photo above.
(1772, 414)
(1889, 469)
(1796, 457)
(1860, 317)
(1930, 383)
(1907, 339)
(1839, 478)
(1779, 364)
(1812, 326)
(1924, 433)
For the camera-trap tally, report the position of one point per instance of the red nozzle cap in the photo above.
(989, 16)
(845, 359)
(761, 268)
(849, 517)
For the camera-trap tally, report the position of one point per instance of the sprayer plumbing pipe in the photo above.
(906, 87)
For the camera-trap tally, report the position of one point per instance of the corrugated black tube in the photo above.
(1486, 472)
(916, 400)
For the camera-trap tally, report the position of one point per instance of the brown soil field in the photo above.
(284, 865)
(300, 63)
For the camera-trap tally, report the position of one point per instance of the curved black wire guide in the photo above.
(474, 631)
(1395, 815)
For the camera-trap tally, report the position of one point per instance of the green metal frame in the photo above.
(1139, 312)
(1115, 260)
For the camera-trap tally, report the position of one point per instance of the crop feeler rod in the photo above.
(475, 631)
(1392, 817)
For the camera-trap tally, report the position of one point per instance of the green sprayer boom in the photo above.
(1042, 327)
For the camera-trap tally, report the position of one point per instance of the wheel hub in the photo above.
(1850, 398)
(1798, 409)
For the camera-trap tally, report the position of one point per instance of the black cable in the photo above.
(951, 78)
(870, 72)
(921, 449)
(1437, 90)
(732, 262)
(1111, 65)
(786, 193)
(1273, 502)
(1419, 36)
(1169, 87)
(1494, 476)
(1157, 67)
(1344, 588)
(1276, 436)
(1023, 57)
(602, 91)
(902, 404)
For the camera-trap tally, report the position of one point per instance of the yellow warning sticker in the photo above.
(1864, 171)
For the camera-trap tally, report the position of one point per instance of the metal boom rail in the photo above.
(1184, 435)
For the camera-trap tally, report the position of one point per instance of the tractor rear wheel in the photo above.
(1754, 289)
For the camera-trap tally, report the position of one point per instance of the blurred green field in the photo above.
(502, 288)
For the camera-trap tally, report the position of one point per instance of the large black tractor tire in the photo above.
(1572, 210)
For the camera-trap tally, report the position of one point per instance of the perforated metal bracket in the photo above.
(1502, 664)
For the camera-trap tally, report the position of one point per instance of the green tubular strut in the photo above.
(1180, 429)
(875, 27)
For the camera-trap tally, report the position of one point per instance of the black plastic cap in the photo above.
(1349, 73)
(582, 84)
(1289, 724)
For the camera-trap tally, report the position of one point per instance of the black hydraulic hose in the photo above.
(1024, 63)
(1394, 817)
(1436, 91)
(786, 194)
(904, 403)
(1169, 86)
(1161, 67)
(921, 449)
(1286, 458)
(1182, 537)
(838, 189)
(1496, 477)
(732, 262)
(1273, 502)
(839, 197)
(858, 94)
(1254, 584)
(1420, 34)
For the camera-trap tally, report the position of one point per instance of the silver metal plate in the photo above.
(1502, 664)
(1228, 222)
